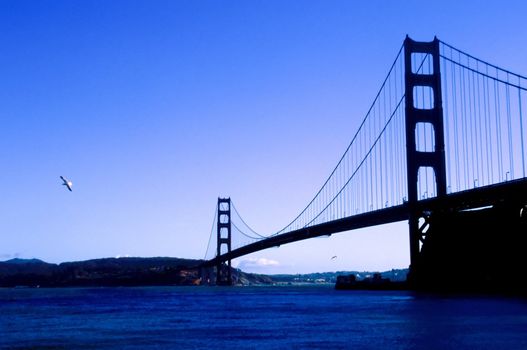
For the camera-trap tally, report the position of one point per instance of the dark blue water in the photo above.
(256, 318)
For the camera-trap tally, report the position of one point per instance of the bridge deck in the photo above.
(511, 191)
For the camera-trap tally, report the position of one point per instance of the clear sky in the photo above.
(155, 108)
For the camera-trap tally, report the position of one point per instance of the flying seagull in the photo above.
(67, 183)
(333, 257)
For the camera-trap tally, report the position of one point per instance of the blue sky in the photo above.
(155, 108)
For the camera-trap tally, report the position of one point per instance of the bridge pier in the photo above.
(223, 269)
(416, 158)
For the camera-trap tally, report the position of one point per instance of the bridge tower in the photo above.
(223, 269)
(433, 115)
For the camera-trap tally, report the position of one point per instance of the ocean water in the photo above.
(307, 317)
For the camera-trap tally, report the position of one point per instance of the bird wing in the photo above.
(66, 183)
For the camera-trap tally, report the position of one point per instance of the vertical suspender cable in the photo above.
(471, 126)
(455, 121)
(477, 127)
(446, 114)
(480, 127)
(464, 127)
(521, 126)
(498, 126)
(488, 128)
(509, 125)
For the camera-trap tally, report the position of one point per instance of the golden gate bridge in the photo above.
(445, 134)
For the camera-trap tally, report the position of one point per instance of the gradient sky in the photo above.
(155, 108)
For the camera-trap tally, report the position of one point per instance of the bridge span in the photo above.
(445, 134)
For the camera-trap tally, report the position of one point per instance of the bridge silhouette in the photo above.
(445, 133)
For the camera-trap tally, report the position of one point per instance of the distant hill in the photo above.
(24, 261)
(147, 272)
(16, 268)
(100, 272)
